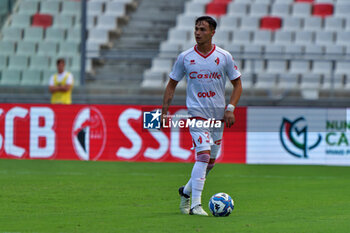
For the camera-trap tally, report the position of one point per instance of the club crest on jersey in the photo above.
(192, 62)
(200, 140)
(217, 61)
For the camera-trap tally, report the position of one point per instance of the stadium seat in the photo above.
(28, 7)
(116, 9)
(71, 8)
(241, 37)
(324, 38)
(42, 20)
(250, 23)
(334, 50)
(238, 9)
(74, 35)
(10, 77)
(342, 9)
(276, 66)
(234, 48)
(7, 48)
(47, 48)
(270, 23)
(31, 78)
(94, 8)
(334, 24)
(50, 7)
(259, 9)
(20, 21)
(3, 61)
(108, 22)
(185, 22)
(283, 37)
(313, 51)
(216, 8)
(322, 10)
(63, 21)
(341, 68)
(253, 66)
(33, 34)
(26, 48)
(54, 35)
(266, 81)
(312, 24)
(229, 22)
(292, 24)
(303, 37)
(288, 81)
(301, 10)
(280, 9)
(222, 37)
(322, 67)
(299, 67)
(310, 81)
(46, 77)
(12, 34)
(18, 62)
(273, 51)
(343, 38)
(294, 49)
(194, 8)
(252, 50)
(68, 49)
(98, 35)
(304, 1)
(39, 62)
(262, 37)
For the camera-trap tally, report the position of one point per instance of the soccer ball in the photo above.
(221, 205)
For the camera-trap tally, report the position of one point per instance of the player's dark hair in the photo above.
(210, 20)
(59, 60)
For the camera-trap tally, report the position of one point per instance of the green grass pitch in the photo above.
(74, 196)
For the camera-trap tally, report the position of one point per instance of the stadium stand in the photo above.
(37, 32)
(294, 45)
(281, 46)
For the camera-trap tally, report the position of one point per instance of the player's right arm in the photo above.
(176, 75)
(167, 98)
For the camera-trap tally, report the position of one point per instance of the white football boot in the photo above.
(184, 202)
(198, 210)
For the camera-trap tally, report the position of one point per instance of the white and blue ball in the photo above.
(221, 205)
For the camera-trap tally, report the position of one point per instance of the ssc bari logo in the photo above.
(295, 139)
(89, 134)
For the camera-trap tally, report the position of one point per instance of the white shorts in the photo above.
(204, 138)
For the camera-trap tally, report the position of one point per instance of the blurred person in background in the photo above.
(61, 84)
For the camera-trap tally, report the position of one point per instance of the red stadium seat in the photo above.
(216, 8)
(322, 9)
(270, 23)
(42, 20)
(307, 1)
(225, 1)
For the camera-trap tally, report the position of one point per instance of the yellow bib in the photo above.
(61, 97)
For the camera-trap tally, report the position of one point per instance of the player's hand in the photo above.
(163, 116)
(229, 118)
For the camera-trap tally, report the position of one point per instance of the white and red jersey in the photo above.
(206, 79)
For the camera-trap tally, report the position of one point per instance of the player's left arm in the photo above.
(234, 75)
(229, 116)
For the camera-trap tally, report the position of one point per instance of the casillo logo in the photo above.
(214, 75)
(206, 94)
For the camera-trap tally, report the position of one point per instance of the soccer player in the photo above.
(206, 68)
